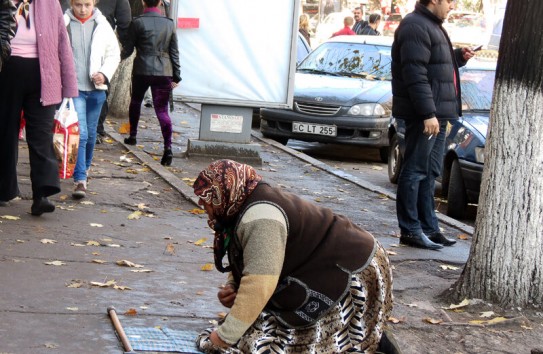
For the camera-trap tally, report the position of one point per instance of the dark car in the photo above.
(465, 139)
(342, 95)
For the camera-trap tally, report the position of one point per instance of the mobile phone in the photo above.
(479, 47)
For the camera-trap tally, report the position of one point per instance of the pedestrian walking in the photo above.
(303, 27)
(97, 55)
(294, 285)
(346, 30)
(119, 16)
(426, 94)
(39, 73)
(157, 66)
(371, 27)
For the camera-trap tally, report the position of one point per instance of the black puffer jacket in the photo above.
(424, 66)
(155, 39)
(7, 29)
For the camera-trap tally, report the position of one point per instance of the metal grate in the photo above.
(320, 110)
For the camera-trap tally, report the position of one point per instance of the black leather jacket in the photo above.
(155, 40)
(7, 29)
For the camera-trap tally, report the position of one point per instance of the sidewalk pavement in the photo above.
(59, 272)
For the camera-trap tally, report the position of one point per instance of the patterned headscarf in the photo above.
(225, 185)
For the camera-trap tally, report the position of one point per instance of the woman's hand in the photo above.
(174, 84)
(98, 79)
(227, 295)
(217, 341)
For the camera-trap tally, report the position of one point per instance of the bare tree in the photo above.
(506, 259)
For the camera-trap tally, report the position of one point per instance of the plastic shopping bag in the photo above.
(66, 137)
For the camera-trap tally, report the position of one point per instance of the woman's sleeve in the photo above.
(263, 235)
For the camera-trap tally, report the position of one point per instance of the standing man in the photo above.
(7, 29)
(119, 16)
(426, 94)
(371, 28)
(359, 23)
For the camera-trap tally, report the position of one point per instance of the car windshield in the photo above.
(477, 86)
(368, 61)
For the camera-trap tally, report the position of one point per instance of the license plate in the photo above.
(317, 129)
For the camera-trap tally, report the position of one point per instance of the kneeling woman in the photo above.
(301, 278)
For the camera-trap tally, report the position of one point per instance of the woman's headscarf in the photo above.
(225, 185)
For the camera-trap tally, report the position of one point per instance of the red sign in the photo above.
(188, 22)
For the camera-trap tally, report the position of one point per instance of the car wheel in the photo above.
(394, 160)
(457, 198)
(383, 154)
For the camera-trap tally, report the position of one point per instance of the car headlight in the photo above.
(367, 109)
(480, 154)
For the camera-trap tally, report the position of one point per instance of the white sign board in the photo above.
(226, 123)
(237, 52)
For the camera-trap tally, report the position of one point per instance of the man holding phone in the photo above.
(426, 94)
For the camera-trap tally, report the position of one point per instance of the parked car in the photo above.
(342, 94)
(391, 23)
(463, 158)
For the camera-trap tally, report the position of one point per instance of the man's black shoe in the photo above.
(419, 240)
(131, 140)
(41, 205)
(442, 240)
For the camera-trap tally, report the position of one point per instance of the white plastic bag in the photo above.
(66, 137)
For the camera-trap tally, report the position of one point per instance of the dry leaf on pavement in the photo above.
(103, 285)
(135, 215)
(448, 267)
(126, 263)
(395, 320)
(55, 263)
(9, 217)
(207, 267)
(487, 314)
(153, 192)
(121, 287)
(99, 261)
(200, 241)
(96, 225)
(131, 312)
(463, 237)
(75, 284)
(197, 211)
(93, 243)
(464, 303)
(47, 241)
(124, 128)
(141, 270)
(431, 320)
(170, 249)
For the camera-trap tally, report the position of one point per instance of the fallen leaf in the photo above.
(497, 320)
(103, 285)
(391, 253)
(9, 217)
(55, 263)
(377, 168)
(77, 244)
(76, 284)
(170, 249)
(197, 211)
(412, 305)
(448, 267)
(121, 287)
(141, 270)
(72, 308)
(463, 237)
(132, 171)
(131, 312)
(394, 320)
(222, 315)
(96, 225)
(135, 215)
(200, 241)
(21, 241)
(51, 345)
(464, 303)
(114, 245)
(95, 253)
(126, 263)
(47, 241)
(200, 293)
(431, 320)
(153, 192)
(207, 267)
(99, 261)
(86, 202)
(487, 314)
(124, 128)
(142, 206)
(93, 243)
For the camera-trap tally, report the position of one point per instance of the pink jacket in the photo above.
(57, 67)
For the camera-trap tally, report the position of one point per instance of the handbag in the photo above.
(66, 137)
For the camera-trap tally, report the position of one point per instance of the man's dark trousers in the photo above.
(423, 160)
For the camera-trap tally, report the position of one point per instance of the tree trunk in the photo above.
(506, 259)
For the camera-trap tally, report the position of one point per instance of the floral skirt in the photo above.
(354, 325)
